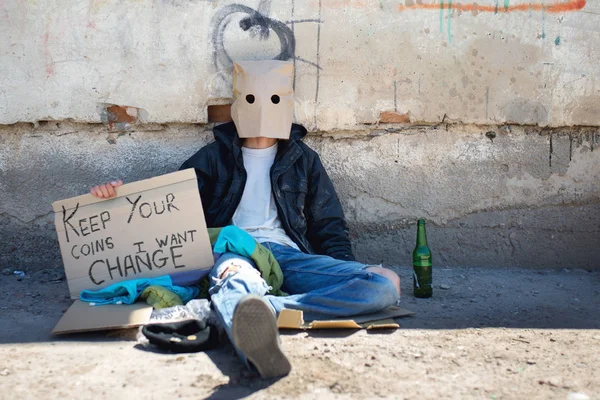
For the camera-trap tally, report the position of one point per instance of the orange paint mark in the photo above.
(571, 5)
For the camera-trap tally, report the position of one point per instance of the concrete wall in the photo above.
(483, 119)
(526, 62)
(511, 196)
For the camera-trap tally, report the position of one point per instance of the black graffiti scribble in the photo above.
(255, 21)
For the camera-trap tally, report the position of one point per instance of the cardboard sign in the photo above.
(153, 227)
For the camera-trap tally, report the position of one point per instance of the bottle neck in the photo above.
(421, 235)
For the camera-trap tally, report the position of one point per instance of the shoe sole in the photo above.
(255, 333)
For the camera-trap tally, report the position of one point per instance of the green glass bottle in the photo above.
(422, 276)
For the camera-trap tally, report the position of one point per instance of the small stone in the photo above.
(444, 287)
(530, 362)
(578, 396)
(5, 372)
(554, 382)
(7, 271)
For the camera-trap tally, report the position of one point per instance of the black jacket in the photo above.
(307, 204)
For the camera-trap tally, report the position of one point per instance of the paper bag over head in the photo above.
(264, 98)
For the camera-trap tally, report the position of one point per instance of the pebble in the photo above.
(5, 372)
(7, 271)
(578, 396)
(444, 287)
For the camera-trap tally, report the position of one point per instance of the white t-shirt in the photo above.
(257, 212)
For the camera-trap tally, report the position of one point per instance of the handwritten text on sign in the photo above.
(146, 231)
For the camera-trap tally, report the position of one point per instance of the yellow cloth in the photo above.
(159, 297)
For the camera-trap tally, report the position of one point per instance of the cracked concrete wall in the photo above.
(481, 118)
(492, 196)
(357, 62)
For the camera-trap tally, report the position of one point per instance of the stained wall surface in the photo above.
(525, 62)
(484, 118)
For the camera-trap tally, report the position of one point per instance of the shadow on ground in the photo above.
(463, 298)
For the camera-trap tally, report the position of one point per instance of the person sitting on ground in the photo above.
(259, 176)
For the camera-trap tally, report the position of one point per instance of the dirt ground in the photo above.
(486, 333)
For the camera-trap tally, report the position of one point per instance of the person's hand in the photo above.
(107, 190)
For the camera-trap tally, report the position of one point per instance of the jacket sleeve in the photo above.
(327, 230)
(201, 162)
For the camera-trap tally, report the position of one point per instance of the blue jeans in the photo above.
(318, 285)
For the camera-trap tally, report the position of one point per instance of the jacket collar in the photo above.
(227, 134)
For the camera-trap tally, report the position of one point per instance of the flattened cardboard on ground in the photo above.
(81, 317)
(153, 227)
(294, 319)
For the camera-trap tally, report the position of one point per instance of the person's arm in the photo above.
(201, 162)
(327, 230)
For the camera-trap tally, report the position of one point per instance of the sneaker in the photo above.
(255, 334)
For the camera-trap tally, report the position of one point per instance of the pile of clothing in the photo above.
(182, 320)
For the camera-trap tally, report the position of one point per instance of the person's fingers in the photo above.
(111, 190)
(104, 191)
(96, 191)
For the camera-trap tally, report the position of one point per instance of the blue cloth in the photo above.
(319, 285)
(235, 240)
(127, 292)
